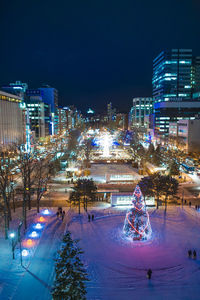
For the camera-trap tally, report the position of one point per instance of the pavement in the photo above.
(34, 279)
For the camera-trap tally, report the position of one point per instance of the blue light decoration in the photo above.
(137, 225)
(148, 138)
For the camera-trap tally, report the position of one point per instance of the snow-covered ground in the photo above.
(117, 267)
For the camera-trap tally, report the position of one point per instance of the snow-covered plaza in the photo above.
(117, 267)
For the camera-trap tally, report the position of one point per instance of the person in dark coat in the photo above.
(63, 215)
(60, 210)
(189, 253)
(194, 254)
(92, 217)
(57, 214)
(149, 273)
(88, 218)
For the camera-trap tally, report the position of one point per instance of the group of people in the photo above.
(197, 207)
(60, 213)
(90, 217)
(192, 254)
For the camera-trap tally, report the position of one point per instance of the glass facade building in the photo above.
(141, 108)
(176, 75)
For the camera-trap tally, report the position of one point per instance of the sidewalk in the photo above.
(35, 281)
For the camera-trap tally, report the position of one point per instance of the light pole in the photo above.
(12, 236)
(20, 241)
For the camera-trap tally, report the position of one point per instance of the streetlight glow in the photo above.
(12, 235)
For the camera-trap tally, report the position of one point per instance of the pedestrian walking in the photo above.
(88, 217)
(63, 215)
(92, 217)
(60, 210)
(194, 254)
(190, 204)
(189, 253)
(149, 273)
(57, 214)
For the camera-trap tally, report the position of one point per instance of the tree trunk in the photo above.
(29, 199)
(9, 211)
(13, 199)
(29, 190)
(5, 223)
(157, 204)
(24, 210)
(165, 203)
(38, 201)
(86, 200)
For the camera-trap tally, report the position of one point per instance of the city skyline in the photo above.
(93, 53)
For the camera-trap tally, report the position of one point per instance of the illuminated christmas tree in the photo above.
(137, 224)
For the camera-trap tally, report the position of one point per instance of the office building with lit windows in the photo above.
(141, 108)
(176, 76)
(39, 113)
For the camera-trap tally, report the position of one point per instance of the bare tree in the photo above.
(7, 165)
(43, 174)
(27, 165)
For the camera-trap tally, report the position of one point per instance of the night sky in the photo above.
(94, 51)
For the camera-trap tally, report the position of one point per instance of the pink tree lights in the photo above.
(137, 225)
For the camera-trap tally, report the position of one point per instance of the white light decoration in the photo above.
(33, 234)
(38, 226)
(106, 142)
(24, 252)
(46, 212)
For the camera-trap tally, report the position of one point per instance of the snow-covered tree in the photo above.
(70, 272)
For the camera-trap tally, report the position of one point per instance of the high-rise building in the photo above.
(50, 96)
(141, 108)
(39, 113)
(62, 120)
(111, 112)
(11, 119)
(176, 75)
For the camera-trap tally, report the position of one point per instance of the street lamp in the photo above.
(12, 237)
